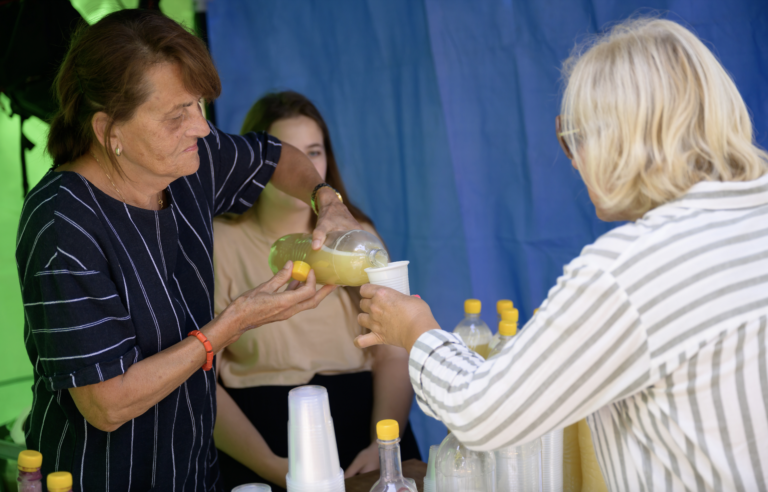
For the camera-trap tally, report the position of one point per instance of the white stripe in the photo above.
(61, 441)
(31, 253)
(79, 200)
(64, 272)
(29, 197)
(69, 255)
(77, 226)
(21, 234)
(51, 260)
(91, 354)
(45, 303)
(80, 327)
(82, 460)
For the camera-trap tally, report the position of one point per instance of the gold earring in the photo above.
(118, 151)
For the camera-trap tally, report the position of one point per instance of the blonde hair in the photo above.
(648, 112)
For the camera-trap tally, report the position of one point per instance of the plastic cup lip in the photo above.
(394, 267)
(252, 487)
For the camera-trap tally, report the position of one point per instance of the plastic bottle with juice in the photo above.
(505, 314)
(473, 330)
(507, 330)
(342, 260)
(59, 482)
(391, 478)
(30, 478)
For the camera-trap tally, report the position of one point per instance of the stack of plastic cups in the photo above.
(252, 487)
(430, 481)
(552, 461)
(394, 276)
(313, 459)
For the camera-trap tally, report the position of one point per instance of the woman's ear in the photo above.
(99, 125)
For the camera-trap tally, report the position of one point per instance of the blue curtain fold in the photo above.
(442, 114)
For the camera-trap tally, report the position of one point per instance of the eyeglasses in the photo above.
(561, 134)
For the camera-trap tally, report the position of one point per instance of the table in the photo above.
(414, 469)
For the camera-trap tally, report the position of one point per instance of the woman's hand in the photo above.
(265, 304)
(393, 318)
(332, 216)
(365, 461)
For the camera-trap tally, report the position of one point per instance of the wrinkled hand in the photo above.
(333, 216)
(265, 304)
(366, 460)
(393, 318)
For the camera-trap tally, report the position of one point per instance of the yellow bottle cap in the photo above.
(300, 271)
(30, 461)
(504, 304)
(387, 430)
(507, 328)
(510, 315)
(472, 306)
(59, 482)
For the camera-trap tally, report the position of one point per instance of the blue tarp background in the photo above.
(442, 117)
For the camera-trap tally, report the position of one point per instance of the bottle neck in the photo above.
(389, 460)
(472, 315)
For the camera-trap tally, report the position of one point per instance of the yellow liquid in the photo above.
(331, 267)
(483, 350)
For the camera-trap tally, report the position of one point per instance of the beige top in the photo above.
(285, 353)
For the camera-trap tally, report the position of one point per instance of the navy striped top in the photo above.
(105, 285)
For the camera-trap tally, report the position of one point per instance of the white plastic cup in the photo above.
(252, 487)
(394, 276)
(313, 458)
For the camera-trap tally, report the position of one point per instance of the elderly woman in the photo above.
(115, 258)
(656, 333)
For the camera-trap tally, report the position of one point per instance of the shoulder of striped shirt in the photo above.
(55, 208)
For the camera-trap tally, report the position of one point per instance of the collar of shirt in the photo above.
(725, 195)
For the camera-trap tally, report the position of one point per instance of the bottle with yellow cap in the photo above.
(30, 479)
(503, 305)
(59, 482)
(342, 260)
(505, 314)
(391, 478)
(473, 330)
(507, 330)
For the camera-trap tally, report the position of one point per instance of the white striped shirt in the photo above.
(656, 334)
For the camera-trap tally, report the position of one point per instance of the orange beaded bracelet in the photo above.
(208, 348)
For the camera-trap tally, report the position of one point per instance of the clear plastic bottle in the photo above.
(460, 469)
(59, 482)
(507, 330)
(502, 305)
(473, 330)
(342, 260)
(391, 479)
(518, 469)
(505, 315)
(30, 479)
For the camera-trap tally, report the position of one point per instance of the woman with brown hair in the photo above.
(264, 365)
(114, 253)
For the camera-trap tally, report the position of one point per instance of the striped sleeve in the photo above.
(583, 350)
(76, 314)
(239, 167)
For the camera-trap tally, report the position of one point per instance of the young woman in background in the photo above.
(316, 347)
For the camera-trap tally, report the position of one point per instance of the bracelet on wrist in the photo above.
(208, 348)
(313, 197)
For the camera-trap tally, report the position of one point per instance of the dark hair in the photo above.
(104, 70)
(276, 106)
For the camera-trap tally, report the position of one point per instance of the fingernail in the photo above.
(287, 266)
(416, 296)
(315, 244)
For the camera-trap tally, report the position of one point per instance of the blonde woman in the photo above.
(656, 333)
